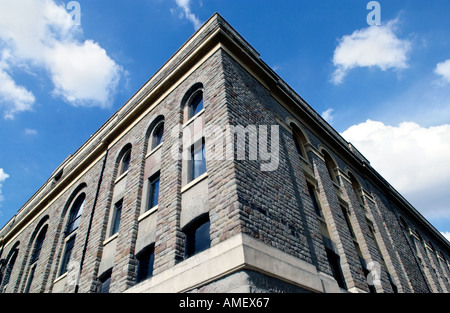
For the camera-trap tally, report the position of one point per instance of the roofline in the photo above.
(214, 31)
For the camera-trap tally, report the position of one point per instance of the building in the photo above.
(280, 203)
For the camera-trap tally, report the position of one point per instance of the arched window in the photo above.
(356, 187)
(145, 260)
(192, 102)
(35, 256)
(299, 140)
(75, 214)
(73, 221)
(195, 104)
(331, 166)
(125, 162)
(156, 137)
(10, 261)
(38, 244)
(403, 224)
(197, 236)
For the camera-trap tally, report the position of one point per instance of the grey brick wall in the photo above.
(273, 207)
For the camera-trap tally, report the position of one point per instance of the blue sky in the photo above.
(385, 88)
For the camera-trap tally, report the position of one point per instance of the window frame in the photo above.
(125, 161)
(146, 261)
(155, 141)
(191, 235)
(314, 199)
(155, 179)
(67, 255)
(105, 282)
(75, 219)
(115, 221)
(191, 112)
(202, 169)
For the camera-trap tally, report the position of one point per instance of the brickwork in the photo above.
(361, 223)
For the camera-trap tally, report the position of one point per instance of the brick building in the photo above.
(217, 177)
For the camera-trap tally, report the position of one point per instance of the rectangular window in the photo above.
(333, 260)
(67, 254)
(30, 279)
(145, 264)
(312, 194)
(198, 160)
(347, 221)
(197, 237)
(116, 219)
(153, 192)
(105, 281)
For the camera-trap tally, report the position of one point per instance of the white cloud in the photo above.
(3, 177)
(443, 69)
(29, 131)
(412, 158)
(446, 235)
(328, 115)
(374, 46)
(42, 35)
(13, 98)
(83, 73)
(185, 5)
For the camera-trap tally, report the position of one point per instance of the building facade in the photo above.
(217, 177)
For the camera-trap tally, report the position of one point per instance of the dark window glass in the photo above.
(197, 237)
(315, 203)
(105, 281)
(154, 191)
(30, 279)
(366, 274)
(196, 104)
(198, 161)
(158, 135)
(38, 245)
(66, 256)
(299, 140)
(116, 219)
(347, 220)
(75, 214)
(9, 268)
(333, 260)
(145, 264)
(393, 286)
(125, 162)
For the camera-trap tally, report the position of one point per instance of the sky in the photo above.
(377, 71)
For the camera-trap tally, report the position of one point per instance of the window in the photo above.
(197, 236)
(196, 104)
(347, 221)
(35, 256)
(116, 218)
(145, 264)
(366, 273)
(75, 214)
(333, 260)
(67, 255)
(11, 261)
(38, 245)
(198, 161)
(125, 162)
(157, 135)
(299, 140)
(330, 166)
(153, 193)
(356, 187)
(30, 279)
(105, 282)
(315, 202)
